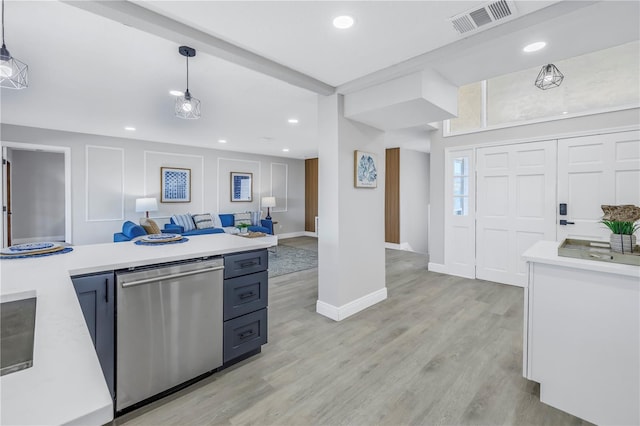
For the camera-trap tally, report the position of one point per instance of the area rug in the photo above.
(290, 259)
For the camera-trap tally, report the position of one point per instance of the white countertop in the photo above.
(65, 384)
(547, 252)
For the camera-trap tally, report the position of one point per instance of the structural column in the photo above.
(351, 269)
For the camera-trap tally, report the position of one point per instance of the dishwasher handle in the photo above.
(167, 277)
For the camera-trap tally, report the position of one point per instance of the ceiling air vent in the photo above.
(483, 17)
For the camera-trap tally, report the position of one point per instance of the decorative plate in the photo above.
(31, 255)
(29, 247)
(161, 238)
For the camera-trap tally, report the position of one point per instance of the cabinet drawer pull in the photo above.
(246, 334)
(246, 295)
(601, 256)
(249, 263)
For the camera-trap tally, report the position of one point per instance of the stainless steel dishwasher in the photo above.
(169, 327)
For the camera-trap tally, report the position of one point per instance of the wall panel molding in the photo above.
(176, 160)
(225, 166)
(279, 186)
(104, 183)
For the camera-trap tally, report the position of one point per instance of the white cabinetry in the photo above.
(582, 335)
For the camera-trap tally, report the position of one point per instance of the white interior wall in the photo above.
(37, 196)
(139, 166)
(590, 124)
(414, 200)
(351, 271)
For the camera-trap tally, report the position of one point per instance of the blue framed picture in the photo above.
(175, 185)
(241, 186)
(366, 170)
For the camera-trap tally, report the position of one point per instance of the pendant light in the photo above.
(187, 107)
(549, 77)
(13, 73)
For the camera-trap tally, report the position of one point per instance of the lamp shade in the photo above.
(146, 205)
(268, 201)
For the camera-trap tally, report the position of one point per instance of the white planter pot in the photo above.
(622, 243)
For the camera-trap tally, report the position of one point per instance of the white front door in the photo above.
(515, 207)
(596, 170)
(459, 244)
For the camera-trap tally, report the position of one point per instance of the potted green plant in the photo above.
(243, 227)
(622, 222)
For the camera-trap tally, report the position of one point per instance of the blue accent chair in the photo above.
(130, 231)
(228, 219)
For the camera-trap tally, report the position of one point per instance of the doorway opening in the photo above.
(36, 193)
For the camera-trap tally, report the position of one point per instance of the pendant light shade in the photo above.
(13, 73)
(187, 107)
(549, 77)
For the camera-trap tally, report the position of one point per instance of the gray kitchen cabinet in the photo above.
(245, 294)
(97, 300)
(245, 304)
(244, 263)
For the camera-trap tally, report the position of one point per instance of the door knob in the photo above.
(566, 222)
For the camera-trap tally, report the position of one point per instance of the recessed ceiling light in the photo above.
(176, 93)
(565, 112)
(130, 128)
(343, 22)
(285, 149)
(222, 141)
(534, 47)
(293, 121)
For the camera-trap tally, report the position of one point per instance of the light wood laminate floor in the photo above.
(440, 350)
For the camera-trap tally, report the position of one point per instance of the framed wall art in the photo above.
(175, 185)
(241, 186)
(365, 170)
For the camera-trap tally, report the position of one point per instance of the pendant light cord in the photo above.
(3, 23)
(187, 57)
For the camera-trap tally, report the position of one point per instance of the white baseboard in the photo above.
(442, 269)
(338, 313)
(310, 234)
(437, 267)
(37, 239)
(401, 246)
(291, 235)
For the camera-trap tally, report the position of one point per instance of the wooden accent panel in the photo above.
(310, 194)
(392, 196)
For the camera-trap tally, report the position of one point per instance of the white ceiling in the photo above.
(300, 35)
(92, 74)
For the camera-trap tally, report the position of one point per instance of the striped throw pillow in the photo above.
(242, 218)
(203, 221)
(185, 221)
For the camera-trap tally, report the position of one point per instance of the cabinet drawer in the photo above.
(245, 294)
(249, 262)
(244, 334)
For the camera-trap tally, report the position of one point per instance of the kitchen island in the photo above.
(66, 383)
(582, 335)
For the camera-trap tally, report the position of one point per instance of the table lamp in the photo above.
(146, 205)
(268, 202)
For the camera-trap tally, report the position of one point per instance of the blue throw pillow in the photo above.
(131, 230)
(184, 220)
(226, 219)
